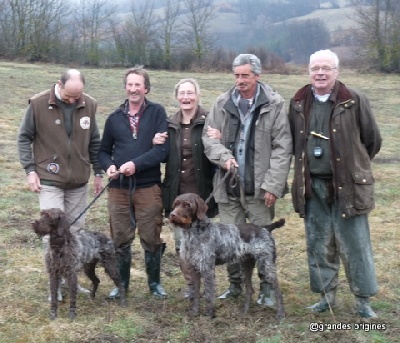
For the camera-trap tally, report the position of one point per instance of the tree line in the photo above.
(178, 35)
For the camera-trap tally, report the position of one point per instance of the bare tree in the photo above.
(31, 28)
(380, 30)
(198, 37)
(139, 31)
(169, 29)
(95, 25)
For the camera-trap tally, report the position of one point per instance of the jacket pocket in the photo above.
(363, 190)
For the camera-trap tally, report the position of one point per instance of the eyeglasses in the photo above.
(188, 94)
(325, 69)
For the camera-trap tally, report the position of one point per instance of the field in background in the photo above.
(23, 282)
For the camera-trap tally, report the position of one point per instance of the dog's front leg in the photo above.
(73, 288)
(195, 300)
(209, 291)
(53, 294)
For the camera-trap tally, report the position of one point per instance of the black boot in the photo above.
(267, 295)
(235, 278)
(153, 268)
(125, 259)
(235, 289)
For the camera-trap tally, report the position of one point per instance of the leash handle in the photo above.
(232, 181)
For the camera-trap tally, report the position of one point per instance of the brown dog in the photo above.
(68, 252)
(206, 244)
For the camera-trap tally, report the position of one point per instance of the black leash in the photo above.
(92, 202)
(232, 182)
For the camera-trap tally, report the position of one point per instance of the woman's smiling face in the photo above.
(187, 96)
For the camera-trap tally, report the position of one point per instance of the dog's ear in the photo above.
(201, 208)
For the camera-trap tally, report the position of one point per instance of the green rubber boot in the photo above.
(153, 269)
(125, 260)
(267, 295)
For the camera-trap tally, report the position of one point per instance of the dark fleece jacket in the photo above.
(118, 146)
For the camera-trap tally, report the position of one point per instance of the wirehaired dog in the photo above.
(67, 253)
(206, 244)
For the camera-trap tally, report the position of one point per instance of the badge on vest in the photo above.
(85, 123)
(53, 168)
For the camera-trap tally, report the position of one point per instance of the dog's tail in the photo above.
(275, 225)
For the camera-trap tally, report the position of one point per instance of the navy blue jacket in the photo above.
(118, 146)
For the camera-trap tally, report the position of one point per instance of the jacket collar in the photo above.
(53, 98)
(340, 93)
(263, 98)
(199, 117)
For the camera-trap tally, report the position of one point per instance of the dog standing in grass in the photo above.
(206, 244)
(68, 252)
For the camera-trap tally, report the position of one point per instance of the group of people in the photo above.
(329, 131)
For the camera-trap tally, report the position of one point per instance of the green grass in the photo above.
(23, 281)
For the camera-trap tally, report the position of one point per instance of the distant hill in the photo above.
(334, 18)
(229, 21)
(231, 31)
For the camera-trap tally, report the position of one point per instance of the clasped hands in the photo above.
(128, 169)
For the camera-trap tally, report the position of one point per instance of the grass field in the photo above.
(23, 282)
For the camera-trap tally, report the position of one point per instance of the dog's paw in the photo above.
(280, 315)
(124, 303)
(53, 314)
(194, 313)
(72, 313)
(210, 313)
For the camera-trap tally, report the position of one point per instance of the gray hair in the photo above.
(325, 52)
(139, 70)
(192, 81)
(251, 59)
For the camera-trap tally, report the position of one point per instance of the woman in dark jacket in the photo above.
(187, 169)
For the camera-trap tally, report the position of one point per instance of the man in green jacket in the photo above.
(256, 140)
(335, 137)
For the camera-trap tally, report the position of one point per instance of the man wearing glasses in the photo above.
(335, 137)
